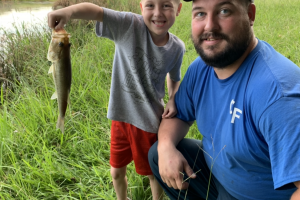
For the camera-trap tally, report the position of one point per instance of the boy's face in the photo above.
(159, 15)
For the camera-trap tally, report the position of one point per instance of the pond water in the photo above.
(24, 13)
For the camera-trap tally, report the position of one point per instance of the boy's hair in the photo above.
(177, 1)
(248, 1)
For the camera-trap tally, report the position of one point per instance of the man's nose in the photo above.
(212, 23)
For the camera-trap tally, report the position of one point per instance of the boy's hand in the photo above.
(58, 18)
(170, 110)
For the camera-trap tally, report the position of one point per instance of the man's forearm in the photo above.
(170, 132)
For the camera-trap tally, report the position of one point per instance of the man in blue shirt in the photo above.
(245, 98)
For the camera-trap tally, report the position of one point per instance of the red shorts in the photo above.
(130, 143)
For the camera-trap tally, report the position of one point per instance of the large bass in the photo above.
(59, 55)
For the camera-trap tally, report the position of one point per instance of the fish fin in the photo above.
(50, 69)
(61, 124)
(54, 96)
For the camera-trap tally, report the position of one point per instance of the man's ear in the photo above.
(141, 6)
(179, 9)
(251, 13)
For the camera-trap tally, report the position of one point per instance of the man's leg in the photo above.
(157, 191)
(197, 187)
(120, 182)
(223, 194)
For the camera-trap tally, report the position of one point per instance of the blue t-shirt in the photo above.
(249, 122)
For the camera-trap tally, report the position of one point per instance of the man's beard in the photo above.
(233, 51)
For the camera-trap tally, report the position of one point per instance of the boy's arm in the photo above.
(170, 110)
(58, 18)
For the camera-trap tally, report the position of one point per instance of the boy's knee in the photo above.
(118, 173)
(151, 177)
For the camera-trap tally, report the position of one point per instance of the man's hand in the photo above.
(171, 164)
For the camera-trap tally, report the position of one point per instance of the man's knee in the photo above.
(190, 144)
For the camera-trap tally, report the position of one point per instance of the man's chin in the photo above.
(210, 54)
(214, 59)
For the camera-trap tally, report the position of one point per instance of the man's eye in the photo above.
(200, 14)
(166, 6)
(224, 11)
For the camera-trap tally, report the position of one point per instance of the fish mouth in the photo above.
(61, 35)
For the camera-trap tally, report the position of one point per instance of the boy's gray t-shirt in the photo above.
(139, 69)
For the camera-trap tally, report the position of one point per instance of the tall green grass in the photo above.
(277, 22)
(36, 160)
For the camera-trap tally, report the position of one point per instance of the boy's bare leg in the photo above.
(157, 191)
(120, 182)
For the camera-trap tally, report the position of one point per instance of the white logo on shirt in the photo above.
(235, 110)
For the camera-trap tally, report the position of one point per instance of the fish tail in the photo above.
(60, 124)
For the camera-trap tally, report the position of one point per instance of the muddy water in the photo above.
(25, 13)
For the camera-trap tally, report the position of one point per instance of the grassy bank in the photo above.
(36, 160)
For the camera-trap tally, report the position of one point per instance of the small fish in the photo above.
(59, 55)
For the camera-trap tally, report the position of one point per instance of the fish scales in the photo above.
(59, 55)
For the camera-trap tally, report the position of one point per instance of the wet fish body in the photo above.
(59, 55)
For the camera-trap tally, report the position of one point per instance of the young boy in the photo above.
(145, 52)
